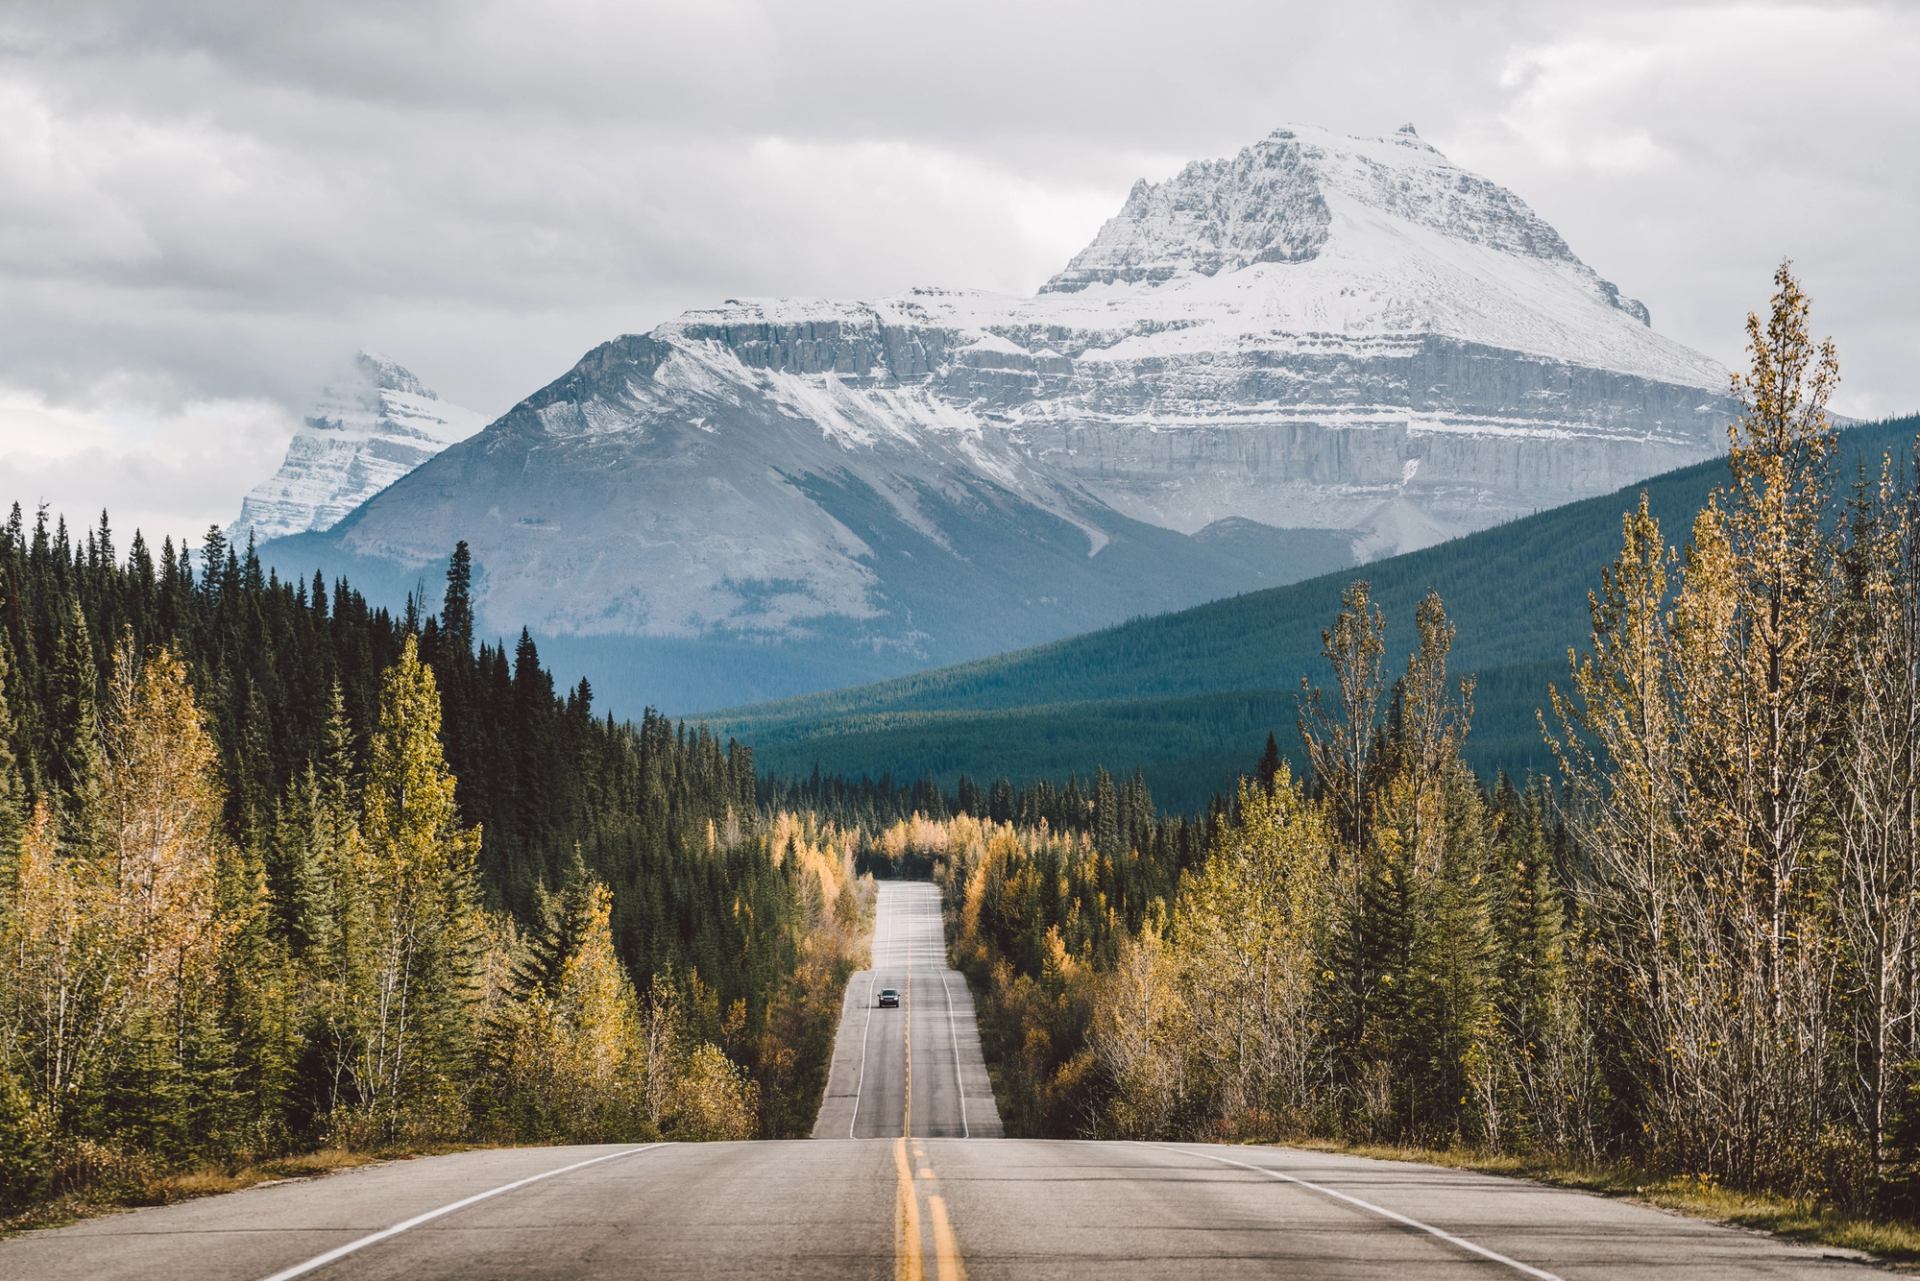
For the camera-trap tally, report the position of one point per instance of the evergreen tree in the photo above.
(1269, 767)
(1107, 831)
(233, 984)
(456, 615)
(561, 920)
(13, 789)
(75, 767)
(418, 868)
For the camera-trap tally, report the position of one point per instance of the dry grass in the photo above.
(209, 1180)
(1892, 1242)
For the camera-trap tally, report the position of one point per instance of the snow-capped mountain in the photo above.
(1320, 351)
(368, 430)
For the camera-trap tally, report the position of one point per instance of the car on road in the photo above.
(889, 998)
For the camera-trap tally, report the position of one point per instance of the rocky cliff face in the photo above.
(368, 430)
(1322, 350)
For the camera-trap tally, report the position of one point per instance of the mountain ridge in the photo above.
(854, 489)
(1190, 696)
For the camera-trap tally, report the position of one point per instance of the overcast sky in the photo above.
(206, 207)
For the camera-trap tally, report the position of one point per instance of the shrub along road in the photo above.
(917, 1191)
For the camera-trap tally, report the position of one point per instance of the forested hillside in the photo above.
(279, 870)
(1699, 954)
(1190, 696)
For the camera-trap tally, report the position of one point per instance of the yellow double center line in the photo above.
(909, 1247)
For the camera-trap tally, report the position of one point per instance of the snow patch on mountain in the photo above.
(367, 430)
(1322, 343)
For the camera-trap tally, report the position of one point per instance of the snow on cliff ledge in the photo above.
(1323, 350)
(368, 430)
(1307, 238)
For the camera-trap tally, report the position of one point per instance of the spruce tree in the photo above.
(456, 613)
(1269, 766)
(561, 920)
(257, 1000)
(76, 766)
(1371, 955)
(13, 790)
(1107, 832)
(420, 876)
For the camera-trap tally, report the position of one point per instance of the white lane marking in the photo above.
(861, 1082)
(959, 1084)
(906, 1022)
(1524, 1269)
(319, 1261)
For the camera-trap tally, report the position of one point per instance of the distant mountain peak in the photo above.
(368, 428)
(387, 374)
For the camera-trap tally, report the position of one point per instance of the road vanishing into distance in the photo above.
(904, 1179)
(915, 1071)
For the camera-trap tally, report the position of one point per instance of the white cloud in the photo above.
(1684, 150)
(164, 472)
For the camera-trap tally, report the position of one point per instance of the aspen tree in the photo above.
(1877, 776)
(68, 987)
(1756, 667)
(1137, 1037)
(162, 816)
(1339, 731)
(1249, 932)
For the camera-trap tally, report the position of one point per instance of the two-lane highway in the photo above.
(916, 1070)
(911, 1197)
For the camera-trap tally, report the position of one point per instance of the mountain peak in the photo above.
(385, 374)
(371, 426)
(1320, 350)
(1285, 198)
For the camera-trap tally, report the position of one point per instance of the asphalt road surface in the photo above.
(915, 1070)
(918, 1193)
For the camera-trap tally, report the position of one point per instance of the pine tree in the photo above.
(567, 1051)
(13, 790)
(311, 855)
(419, 874)
(456, 613)
(1450, 1036)
(257, 1003)
(1541, 1040)
(339, 929)
(1368, 976)
(1269, 767)
(214, 554)
(561, 920)
(1107, 833)
(75, 767)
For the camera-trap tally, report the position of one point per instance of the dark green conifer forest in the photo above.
(279, 869)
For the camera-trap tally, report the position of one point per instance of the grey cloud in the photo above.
(221, 196)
